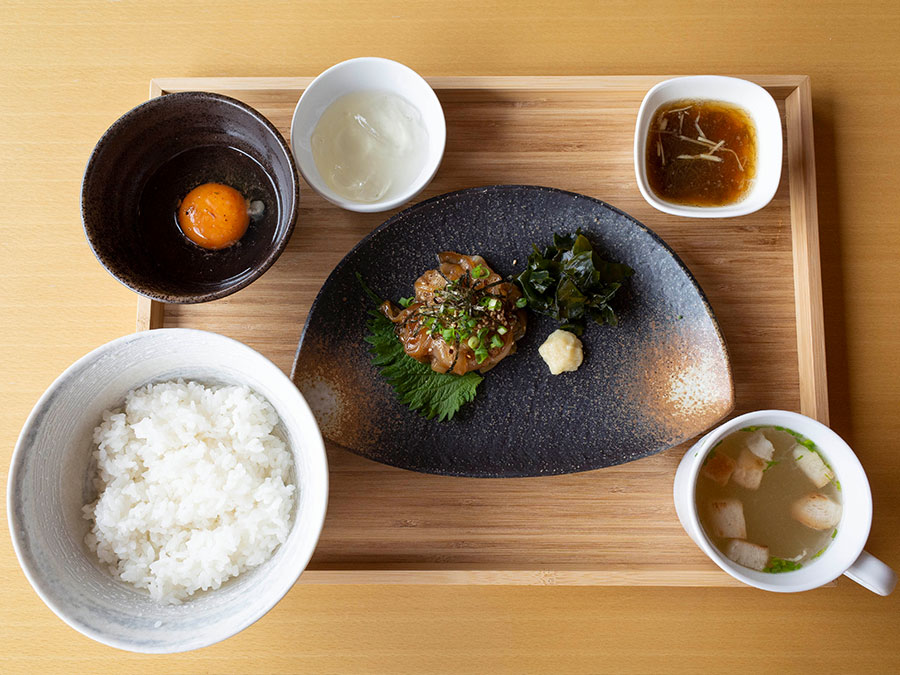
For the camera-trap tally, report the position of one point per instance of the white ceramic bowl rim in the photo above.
(856, 496)
(313, 518)
(755, 100)
(426, 101)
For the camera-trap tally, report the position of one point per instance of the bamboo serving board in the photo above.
(613, 526)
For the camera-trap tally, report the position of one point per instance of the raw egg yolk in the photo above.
(213, 215)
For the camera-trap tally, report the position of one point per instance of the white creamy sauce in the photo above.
(370, 145)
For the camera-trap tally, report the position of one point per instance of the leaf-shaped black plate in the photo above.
(657, 379)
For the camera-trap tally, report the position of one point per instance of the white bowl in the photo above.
(845, 555)
(755, 100)
(367, 74)
(49, 482)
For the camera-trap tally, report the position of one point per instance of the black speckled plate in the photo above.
(659, 378)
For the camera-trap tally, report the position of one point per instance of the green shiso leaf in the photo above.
(571, 283)
(431, 394)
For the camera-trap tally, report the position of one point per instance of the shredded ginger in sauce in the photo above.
(463, 316)
(701, 153)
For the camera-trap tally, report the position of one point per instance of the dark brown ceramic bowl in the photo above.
(145, 164)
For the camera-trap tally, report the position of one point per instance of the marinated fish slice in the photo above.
(463, 316)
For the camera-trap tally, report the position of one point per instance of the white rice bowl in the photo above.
(194, 487)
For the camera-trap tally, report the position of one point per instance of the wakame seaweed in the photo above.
(570, 282)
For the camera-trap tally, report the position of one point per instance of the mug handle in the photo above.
(869, 572)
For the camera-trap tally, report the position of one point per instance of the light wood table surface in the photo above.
(69, 69)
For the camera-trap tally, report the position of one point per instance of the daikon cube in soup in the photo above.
(768, 499)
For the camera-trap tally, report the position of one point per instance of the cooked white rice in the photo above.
(194, 487)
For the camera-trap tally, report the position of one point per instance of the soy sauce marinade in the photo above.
(701, 153)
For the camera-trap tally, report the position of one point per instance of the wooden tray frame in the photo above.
(813, 393)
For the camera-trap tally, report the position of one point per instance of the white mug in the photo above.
(845, 555)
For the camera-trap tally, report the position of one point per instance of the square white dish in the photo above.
(753, 99)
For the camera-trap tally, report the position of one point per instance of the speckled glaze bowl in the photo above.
(145, 164)
(49, 482)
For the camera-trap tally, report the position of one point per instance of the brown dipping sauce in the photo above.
(701, 153)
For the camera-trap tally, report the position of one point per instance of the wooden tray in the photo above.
(614, 526)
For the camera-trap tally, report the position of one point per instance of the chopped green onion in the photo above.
(471, 323)
(483, 332)
(521, 302)
(406, 302)
(478, 272)
(447, 334)
(502, 330)
(490, 302)
(481, 354)
(474, 342)
(496, 342)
